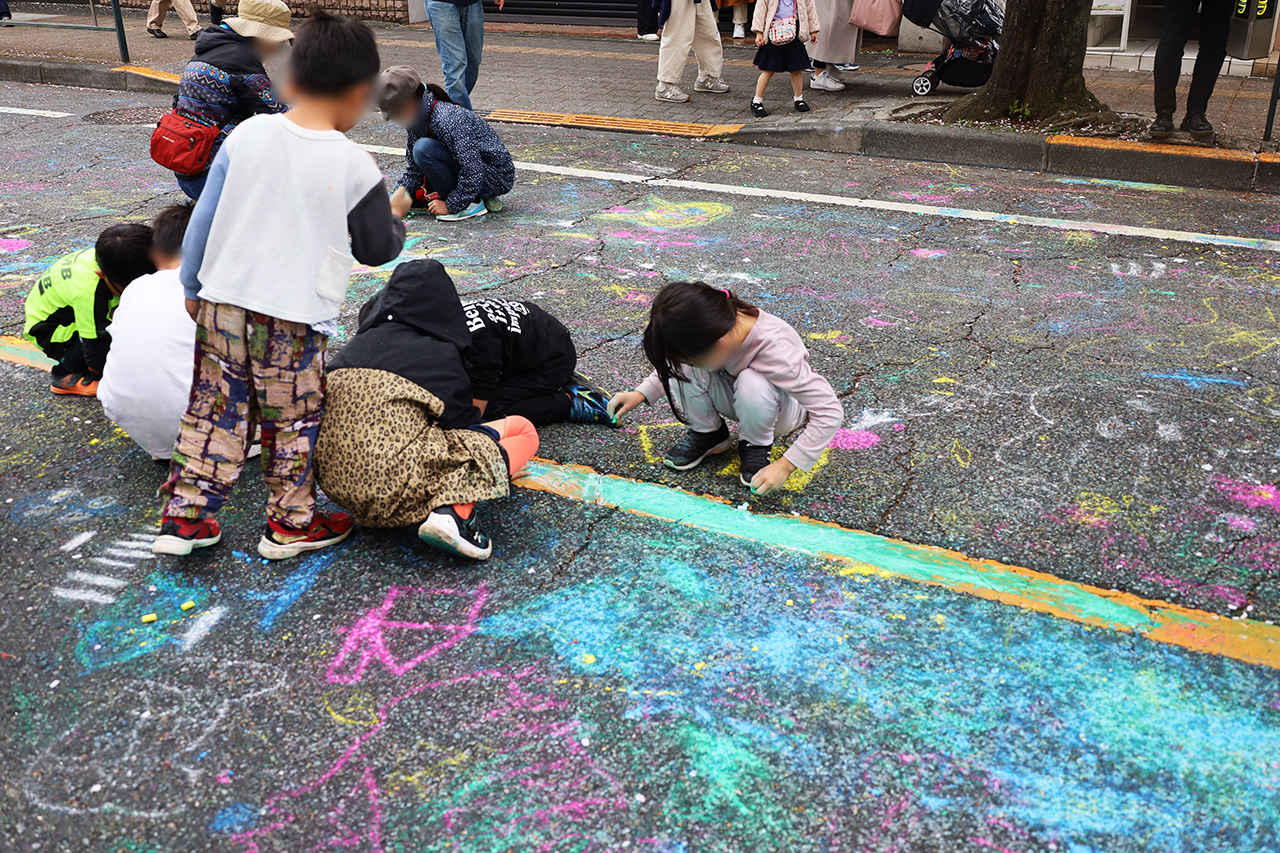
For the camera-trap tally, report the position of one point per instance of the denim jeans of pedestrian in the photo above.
(192, 186)
(436, 162)
(459, 32)
(1179, 17)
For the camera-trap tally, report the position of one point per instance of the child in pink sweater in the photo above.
(717, 357)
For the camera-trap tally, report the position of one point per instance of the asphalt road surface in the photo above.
(1069, 382)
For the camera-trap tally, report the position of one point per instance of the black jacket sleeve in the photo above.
(377, 236)
(484, 361)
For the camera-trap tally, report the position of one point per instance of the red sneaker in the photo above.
(75, 384)
(181, 536)
(280, 543)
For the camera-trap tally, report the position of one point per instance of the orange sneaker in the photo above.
(279, 542)
(75, 384)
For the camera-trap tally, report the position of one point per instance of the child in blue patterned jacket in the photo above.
(455, 161)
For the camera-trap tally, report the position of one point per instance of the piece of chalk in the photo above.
(187, 605)
(150, 617)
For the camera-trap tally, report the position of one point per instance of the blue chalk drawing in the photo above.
(236, 817)
(1196, 381)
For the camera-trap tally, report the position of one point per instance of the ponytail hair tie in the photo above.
(727, 294)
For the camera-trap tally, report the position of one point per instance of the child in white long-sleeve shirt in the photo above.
(717, 357)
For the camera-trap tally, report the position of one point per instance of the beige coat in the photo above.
(383, 456)
(806, 17)
(840, 39)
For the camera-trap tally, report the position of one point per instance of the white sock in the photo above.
(757, 100)
(798, 98)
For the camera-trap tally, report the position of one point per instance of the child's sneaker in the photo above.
(280, 543)
(689, 451)
(751, 458)
(758, 110)
(476, 208)
(495, 205)
(181, 536)
(446, 530)
(75, 384)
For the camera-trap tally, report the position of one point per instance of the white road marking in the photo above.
(1194, 237)
(119, 564)
(43, 113)
(95, 579)
(79, 539)
(84, 595)
(201, 627)
(134, 553)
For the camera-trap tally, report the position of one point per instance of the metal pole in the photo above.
(1271, 111)
(124, 46)
(93, 8)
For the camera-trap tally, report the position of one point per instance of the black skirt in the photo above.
(782, 57)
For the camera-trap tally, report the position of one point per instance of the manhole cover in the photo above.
(137, 115)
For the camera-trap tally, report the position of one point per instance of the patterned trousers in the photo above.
(249, 368)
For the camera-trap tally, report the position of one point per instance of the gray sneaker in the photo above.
(711, 85)
(670, 93)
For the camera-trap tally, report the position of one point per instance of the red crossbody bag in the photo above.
(182, 145)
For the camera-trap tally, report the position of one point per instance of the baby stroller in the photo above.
(973, 26)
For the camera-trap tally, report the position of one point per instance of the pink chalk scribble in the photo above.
(929, 253)
(9, 245)
(874, 321)
(899, 426)
(854, 439)
(1250, 494)
(1241, 522)
(1232, 596)
(367, 639)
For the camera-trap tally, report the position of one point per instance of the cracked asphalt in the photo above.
(1100, 408)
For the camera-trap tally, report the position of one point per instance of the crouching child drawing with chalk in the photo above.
(717, 357)
(289, 206)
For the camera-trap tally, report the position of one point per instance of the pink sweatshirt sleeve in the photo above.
(816, 395)
(651, 388)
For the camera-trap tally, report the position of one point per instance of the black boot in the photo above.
(1162, 126)
(215, 14)
(1198, 126)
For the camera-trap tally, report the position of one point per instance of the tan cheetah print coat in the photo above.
(383, 456)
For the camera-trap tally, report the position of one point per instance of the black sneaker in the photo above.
(1198, 126)
(758, 110)
(689, 451)
(1162, 126)
(588, 403)
(160, 34)
(446, 530)
(751, 458)
(802, 106)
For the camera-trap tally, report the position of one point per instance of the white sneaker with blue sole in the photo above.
(474, 209)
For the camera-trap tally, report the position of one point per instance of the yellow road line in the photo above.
(143, 71)
(1129, 145)
(630, 125)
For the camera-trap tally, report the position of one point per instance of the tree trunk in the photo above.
(1040, 70)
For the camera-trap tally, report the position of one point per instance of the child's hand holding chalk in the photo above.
(624, 402)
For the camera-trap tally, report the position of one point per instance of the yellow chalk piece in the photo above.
(588, 658)
(700, 665)
(790, 602)
(944, 379)
(150, 617)
(755, 648)
(187, 605)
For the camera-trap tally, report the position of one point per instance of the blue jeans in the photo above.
(437, 163)
(192, 186)
(459, 32)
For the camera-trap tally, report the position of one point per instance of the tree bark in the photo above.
(1039, 72)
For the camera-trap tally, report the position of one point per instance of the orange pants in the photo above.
(519, 439)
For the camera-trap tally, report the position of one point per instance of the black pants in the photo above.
(70, 355)
(1179, 17)
(646, 20)
(536, 395)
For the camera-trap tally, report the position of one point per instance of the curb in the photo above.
(126, 78)
(1089, 157)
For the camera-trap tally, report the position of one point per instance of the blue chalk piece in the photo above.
(236, 817)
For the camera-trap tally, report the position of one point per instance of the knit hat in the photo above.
(394, 85)
(263, 19)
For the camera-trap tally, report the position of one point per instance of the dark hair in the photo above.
(685, 320)
(169, 227)
(331, 53)
(439, 92)
(123, 253)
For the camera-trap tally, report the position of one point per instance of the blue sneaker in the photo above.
(587, 403)
(475, 209)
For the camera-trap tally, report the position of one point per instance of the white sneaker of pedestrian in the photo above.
(739, 31)
(847, 66)
(670, 93)
(648, 37)
(475, 209)
(823, 81)
(712, 85)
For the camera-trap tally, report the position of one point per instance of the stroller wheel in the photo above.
(924, 84)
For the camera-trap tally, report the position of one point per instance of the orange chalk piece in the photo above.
(150, 617)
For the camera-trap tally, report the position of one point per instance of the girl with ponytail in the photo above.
(715, 357)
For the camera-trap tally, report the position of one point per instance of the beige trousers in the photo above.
(690, 25)
(186, 12)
